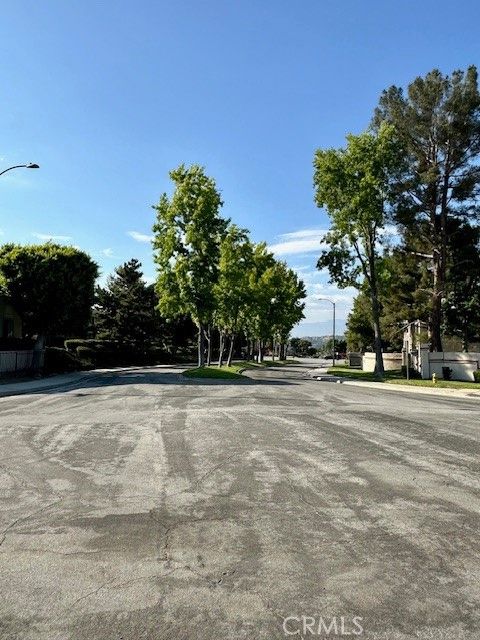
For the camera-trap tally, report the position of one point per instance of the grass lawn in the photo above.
(270, 363)
(232, 372)
(395, 377)
(213, 371)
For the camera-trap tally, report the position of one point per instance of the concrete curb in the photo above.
(452, 393)
(37, 386)
(322, 376)
(59, 381)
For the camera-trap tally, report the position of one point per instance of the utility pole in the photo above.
(333, 306)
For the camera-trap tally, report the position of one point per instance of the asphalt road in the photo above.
(139, 505)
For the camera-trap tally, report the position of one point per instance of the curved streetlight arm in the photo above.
(30, 165)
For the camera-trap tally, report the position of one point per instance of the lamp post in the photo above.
(333, 305)
(30, 165)
(272, 302)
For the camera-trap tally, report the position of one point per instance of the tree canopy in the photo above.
(353, 185)
(210, 270)
(437, 125)
(188, 231)
(51, 286)
(125, 309)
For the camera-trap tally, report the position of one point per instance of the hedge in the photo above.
(103, 355)
(58, 360)
(106, 345)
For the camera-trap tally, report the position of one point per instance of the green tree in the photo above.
(300, 346)
(462, 302)
(188, 231)
(287, 308)
(340, 345)
(232, 291)
(262, 285)
(353, 185)
(359, 332)
(437, 124)
(403, 295)
(51, 286)
(125, 310)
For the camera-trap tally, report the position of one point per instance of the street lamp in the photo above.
(333, 305)
(272, 302)
(30, 165)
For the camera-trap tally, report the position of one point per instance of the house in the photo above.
(10, 321)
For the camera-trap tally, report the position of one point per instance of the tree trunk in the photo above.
(465, 336)
(379, 369)
(273, 350)
(436, 316)
(38, 354)
(230, 352)
(221, 348)
(201, 345)
(260, 351)
(209, 345)
(440, 267)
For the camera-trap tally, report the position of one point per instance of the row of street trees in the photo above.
(210, 270)
(210, 275)
(416, 171)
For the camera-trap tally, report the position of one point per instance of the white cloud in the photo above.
(108, 253)
(303, 233)
(48, 236)
(139, 237)
(301, 241)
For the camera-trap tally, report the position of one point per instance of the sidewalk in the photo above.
(323, 376)
(43, 384)
(62, 380)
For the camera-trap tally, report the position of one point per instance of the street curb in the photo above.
(322, 376)
(40, 388)
(92, 374)
(452, 393)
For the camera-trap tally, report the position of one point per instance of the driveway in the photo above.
(139, 505)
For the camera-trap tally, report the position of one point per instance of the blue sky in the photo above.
(109, 96)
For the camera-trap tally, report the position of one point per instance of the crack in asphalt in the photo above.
(8, 529)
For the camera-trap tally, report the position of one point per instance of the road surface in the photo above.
(140, 505)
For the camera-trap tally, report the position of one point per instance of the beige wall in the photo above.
(391, 361)
(462, 364)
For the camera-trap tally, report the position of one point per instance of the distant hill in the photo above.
(319, 341)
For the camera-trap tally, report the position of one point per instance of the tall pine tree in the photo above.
(437, 123)
(125, 310)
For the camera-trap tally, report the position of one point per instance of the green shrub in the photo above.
(58, 360)
(98, 357)
(73, 343)
(103, 354)
(476, 375)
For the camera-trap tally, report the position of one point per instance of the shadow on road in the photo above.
(154, 377)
